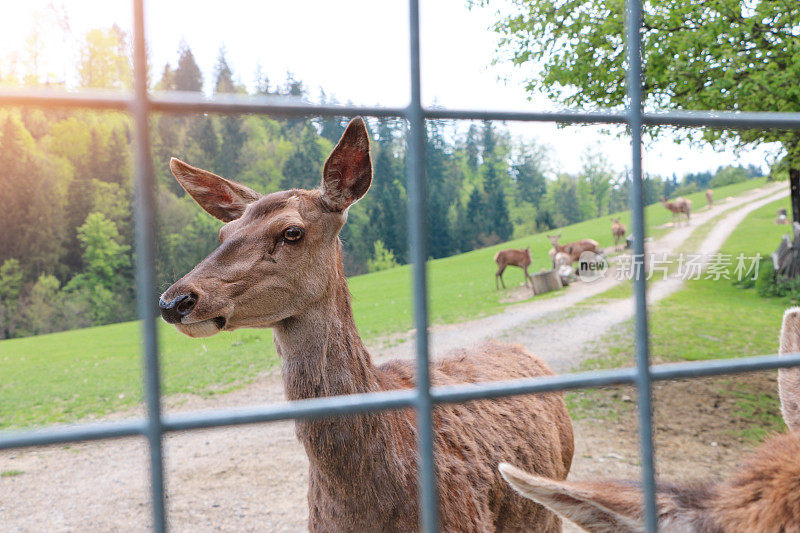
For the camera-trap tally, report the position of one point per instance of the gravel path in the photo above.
(254, 478)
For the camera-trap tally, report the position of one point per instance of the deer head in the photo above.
(278, 252)
(554, 240)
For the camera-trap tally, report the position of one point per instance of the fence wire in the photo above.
(141, 104)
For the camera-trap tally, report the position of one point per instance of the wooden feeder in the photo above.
(545, 281)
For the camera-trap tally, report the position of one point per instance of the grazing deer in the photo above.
(512, 256)
(279, 265)
(710, 198)
(678, 206)
(763, 496)
(618, 230)
(574, 249)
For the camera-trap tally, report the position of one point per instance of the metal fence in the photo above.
(423, 398)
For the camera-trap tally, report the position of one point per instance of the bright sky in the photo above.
(357, 50)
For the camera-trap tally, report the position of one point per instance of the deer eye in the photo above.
(292, 234)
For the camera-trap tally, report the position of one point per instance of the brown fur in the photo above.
(618, 230)
(574, 249)
(512, 256)
(763, 496)
(710, 198)
(363, 468)
(678, 206)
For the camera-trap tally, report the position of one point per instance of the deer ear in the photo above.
(789, 378)
(223, 199)
(579, 502)
(348, 171)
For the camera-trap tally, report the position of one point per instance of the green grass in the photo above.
(66, 376)
(11, 473)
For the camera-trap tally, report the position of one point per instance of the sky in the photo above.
(358, 51)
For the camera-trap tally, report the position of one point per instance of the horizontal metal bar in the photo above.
(119, 101)
(495, 389)
(272, 105)
(312, 408)
(197, 103)
(77, 433)
(356, 403)
(716, 367)
(723, 119)
(570, 117)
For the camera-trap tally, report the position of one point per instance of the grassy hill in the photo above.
(90, 372)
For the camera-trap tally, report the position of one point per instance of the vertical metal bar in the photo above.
(428, 501)
(794, 187)
(643, 381)
(145, 272)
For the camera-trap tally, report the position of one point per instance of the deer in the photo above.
(764, 495)
(618, 230)
(562, 264)
(710, 198)
(574, 249)
(678, 206)
(512, 256)
(279, 266)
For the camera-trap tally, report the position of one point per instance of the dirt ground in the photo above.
(254, 478)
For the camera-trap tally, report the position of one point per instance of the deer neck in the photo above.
(322, 352)
(323, 356)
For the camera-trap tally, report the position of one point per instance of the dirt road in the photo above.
(254, 478)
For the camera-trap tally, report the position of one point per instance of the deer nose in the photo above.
(178, 308)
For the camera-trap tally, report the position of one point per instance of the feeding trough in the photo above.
(545, 281)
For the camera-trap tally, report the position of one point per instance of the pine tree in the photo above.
(472, 147)
(223, 75)
(497, 217)
(388, 209)
(440, 240)
(205, 142)
(188, 76)
(530, 181)
(231, 134)
(116, 163)
(489, 140)
(303, 167)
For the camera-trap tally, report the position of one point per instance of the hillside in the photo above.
(94, 371)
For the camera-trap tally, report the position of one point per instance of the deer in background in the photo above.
(678, 206)
(279, 265)
(763, 496)
(710, 198)
(573, 249)
(618, 230)
(512, 256)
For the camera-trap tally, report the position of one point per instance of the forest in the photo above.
(66, 230)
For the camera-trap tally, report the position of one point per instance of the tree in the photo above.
(388, 207)
(11, 277)
(187, 76)
(597, 175)
(303, 168)
(104, 61)
(231, 135)
(529, 179)
(43, 306)
(497, 217)
(382, 258)
(472, 147)
(720, 54)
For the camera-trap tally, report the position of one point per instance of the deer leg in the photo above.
(527, 277)
(499, 274)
